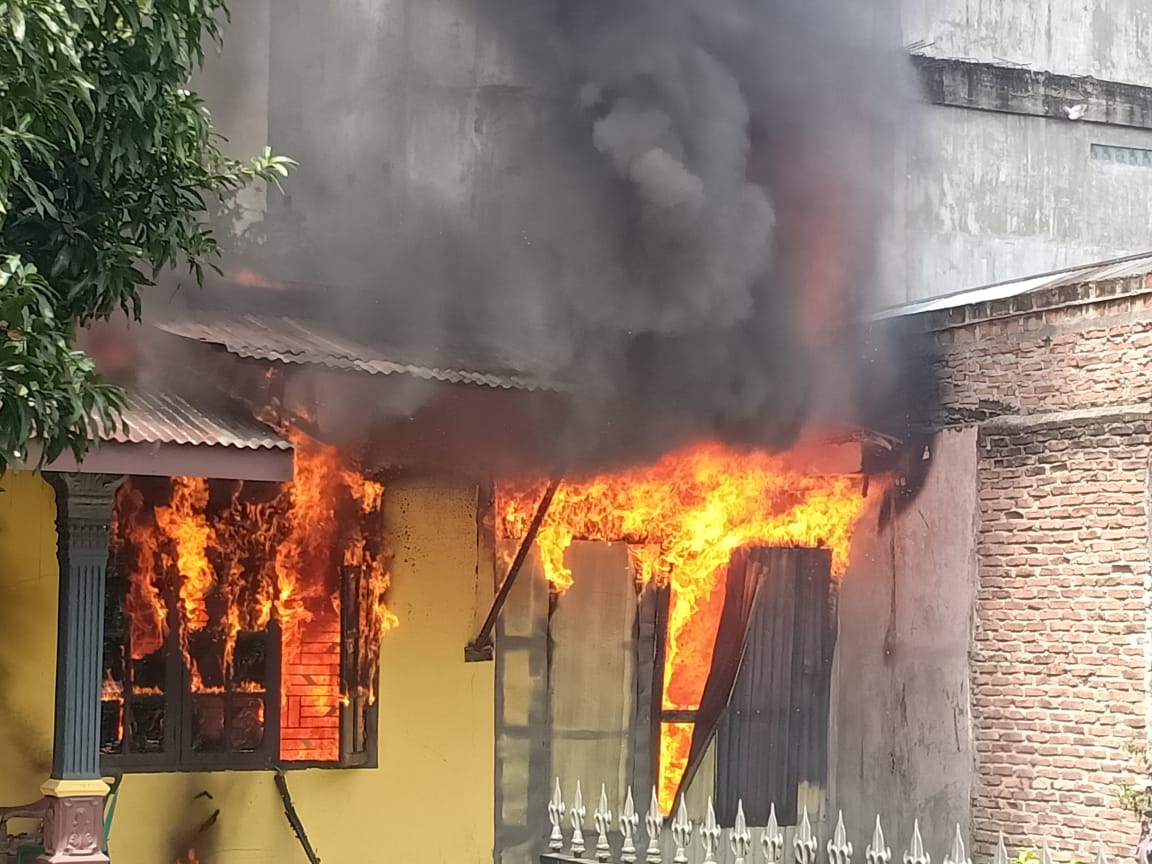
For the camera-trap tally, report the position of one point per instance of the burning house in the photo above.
(795, 630)
(611, 260)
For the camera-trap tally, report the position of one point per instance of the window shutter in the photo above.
(773, 738)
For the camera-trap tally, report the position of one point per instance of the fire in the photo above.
(224, 560)
(146, 607)
(683, 517)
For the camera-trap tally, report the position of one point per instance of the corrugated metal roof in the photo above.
(287, 340)
(155, 418)
(1102, 271)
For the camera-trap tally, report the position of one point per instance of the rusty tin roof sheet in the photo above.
(156, 418)
(287, 340)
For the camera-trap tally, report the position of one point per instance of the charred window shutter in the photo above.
(357, 717)
(773, 739)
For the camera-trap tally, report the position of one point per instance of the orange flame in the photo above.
(237, 561)
(184, 521)
(683, 517)
(146, 608)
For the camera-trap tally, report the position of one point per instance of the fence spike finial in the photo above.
(839, 847)
(1045, 853)
(556, 817)
(877, 851)
(916, 853)
(772, 838)
(579, 811)
(958, 855)
(740, 838)
(681, 833)
(629, 822)
(710, 834)
(602, 819)
(1001, 851)
(1101, 853)
(654, 823)
(805, 843)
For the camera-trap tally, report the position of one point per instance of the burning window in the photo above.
(683, 519)
(243, 620)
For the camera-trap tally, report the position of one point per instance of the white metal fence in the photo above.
(626, 837)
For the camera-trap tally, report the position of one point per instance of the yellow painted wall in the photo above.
(431, 798)
(28, 589)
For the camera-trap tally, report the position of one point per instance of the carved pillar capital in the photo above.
(84, 505)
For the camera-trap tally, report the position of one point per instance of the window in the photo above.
(240, 632)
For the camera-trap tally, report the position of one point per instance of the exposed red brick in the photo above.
(1058, 659)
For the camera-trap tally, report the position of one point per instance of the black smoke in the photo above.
(672, 206)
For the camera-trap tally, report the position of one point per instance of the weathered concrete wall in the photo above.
(436, 138)
(902, 737)
(987, 197)
(1109, 39)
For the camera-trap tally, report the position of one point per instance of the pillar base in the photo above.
(74, 822)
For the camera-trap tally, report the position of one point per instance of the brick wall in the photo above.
(1090, 355)
(1060, 653)
(310, 693)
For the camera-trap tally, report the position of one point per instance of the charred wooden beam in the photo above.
(482, 648)
(294, 817)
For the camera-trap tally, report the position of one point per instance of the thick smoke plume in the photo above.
(672, 206)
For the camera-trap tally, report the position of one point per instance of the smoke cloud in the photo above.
(673, 206)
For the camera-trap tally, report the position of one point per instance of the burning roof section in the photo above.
(165, 418)
(289, 340)
(164, 434)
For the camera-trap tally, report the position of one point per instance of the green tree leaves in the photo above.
(109, 172)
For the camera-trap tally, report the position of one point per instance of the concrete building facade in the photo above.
(997, 182)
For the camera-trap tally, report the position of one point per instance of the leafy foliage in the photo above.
(109, 170)
(1136, 798)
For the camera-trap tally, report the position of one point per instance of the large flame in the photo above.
(683, 518)
(222, 559)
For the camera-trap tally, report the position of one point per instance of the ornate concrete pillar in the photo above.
(74, 824)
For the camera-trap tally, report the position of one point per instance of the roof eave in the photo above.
(176, 460)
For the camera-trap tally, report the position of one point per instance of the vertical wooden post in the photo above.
(74, 823)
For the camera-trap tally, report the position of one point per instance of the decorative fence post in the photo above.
(839, 847)
(579, 811)
(681, 834)
(1001, 851)
(958, 855)
(710, 834)
(916, 853)
(629, 822)
(740, 838)
(556, 817)
(877, 851)
(772, 838)
(805, 843)
(603, 821)
(654, 823)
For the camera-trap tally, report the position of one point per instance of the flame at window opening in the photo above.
(683, 517)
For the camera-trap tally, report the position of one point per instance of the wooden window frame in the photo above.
(178, 755)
